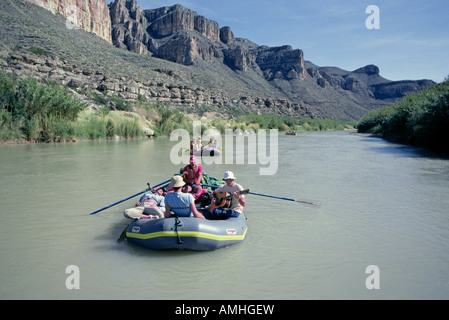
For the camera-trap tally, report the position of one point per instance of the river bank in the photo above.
(420, 119)
(33, 111)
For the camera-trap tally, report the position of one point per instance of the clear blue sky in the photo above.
(412, 42)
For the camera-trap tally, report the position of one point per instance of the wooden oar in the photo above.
(130, 197)
(310, 203)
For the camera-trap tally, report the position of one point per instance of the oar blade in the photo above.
(122, 235)
(313, 204)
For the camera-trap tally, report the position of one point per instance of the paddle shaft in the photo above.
(288, 199)
(270, 196)
(130, 197)
(275, 197)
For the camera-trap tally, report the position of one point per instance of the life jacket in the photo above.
(192, 174)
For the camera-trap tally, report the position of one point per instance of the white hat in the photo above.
(228, 175)
(177, 182)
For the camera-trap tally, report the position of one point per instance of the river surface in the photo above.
(383, 205)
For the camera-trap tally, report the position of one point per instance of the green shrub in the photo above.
(39, 110)
(94, 128)
(110, 128)
(121, 104)
(421, 118)
(128, 128)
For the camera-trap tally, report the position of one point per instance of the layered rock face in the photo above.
(366, 82)
(289, 84)
(172, 33)
(55, 69)
(90, 15)
(281, 62)
(169, 20)
(128, 26)
(181, 35)
(226, 35)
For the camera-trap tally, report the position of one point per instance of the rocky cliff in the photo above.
(90, 15)
(200, 67)
(172, 33)
(181, 35)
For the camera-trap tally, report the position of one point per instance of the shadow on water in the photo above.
(139, 251)
(404, 150)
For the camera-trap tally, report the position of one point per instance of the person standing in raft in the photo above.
(191, 146)
(192, 175)
(237, 203)
(181, 204)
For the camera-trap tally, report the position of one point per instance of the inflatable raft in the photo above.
(207, 151)
(187, 233)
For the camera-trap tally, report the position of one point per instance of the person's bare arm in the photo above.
(195, 212)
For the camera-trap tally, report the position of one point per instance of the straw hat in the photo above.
(228, 175)
(177, 182)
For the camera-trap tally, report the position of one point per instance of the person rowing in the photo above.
(192, 175)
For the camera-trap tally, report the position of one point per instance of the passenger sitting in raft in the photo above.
(213, 143)
(237, 203)
(181, 204)
(149, 206)
(192, 174)
(162, 191)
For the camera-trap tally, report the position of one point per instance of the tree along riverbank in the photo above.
(420, 119)
(34, 112)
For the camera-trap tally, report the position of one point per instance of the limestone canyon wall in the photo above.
(90, 15)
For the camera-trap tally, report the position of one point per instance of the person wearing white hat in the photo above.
(228, 175)
(181, 204)
(238, 200)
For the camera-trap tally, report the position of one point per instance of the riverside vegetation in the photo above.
(33, 111)
(420, 119)
(47, 112)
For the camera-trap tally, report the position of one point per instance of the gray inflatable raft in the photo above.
(187, 233)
